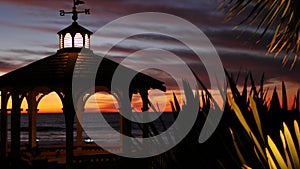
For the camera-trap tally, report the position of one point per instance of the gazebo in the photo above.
(54, 74)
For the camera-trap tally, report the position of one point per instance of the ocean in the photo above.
(51, 128)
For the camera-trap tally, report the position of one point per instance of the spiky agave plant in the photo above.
(268, 153)
(189, 153)
(253, 121)
(256, 123)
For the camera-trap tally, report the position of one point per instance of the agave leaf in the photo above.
(246, 167)
(277, 154)
(152, 106)
(174, 111)
(244, 123)
(239, 115)
(216, 117)
(232, 84)
(221, 89)
(258, 145)
(284, 98)
(291, 146)
(271, 162)
(261, 88)
(189, 95)
(256, 117)
(207, 92)
(244, 93)
(204, 103)
(177, 106)
(289, 164)
(253, 87)
(240, 156)
(202, 84)
(297, 132)
(258, 156)
(297, 100)
(265, 96)
(275, 103)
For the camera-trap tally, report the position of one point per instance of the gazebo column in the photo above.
(69, 113)
(79, 113)
(69, 119)
(4, 127)
(32, 128)
(32, 112)
(125, 124)
(16, 126)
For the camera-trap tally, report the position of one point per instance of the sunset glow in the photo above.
(104, 102)
(25, 47)
(149, 84)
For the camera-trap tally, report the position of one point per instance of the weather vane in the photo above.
(74, 11)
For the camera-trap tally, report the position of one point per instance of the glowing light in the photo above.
(60, 41)
(87, 41)
(78, 40)
(68, 41)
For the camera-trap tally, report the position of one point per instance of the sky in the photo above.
(28, 33)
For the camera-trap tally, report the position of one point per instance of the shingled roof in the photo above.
(57, 71)
(74, 28)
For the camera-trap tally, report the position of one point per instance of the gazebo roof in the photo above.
(57, 71)
(75, 28)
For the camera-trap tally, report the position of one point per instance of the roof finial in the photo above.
(74, 11)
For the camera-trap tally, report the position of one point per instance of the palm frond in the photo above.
(281, 18)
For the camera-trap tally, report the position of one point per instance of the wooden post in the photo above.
(32, 112)
(79, 114)
(4, 127)
(69, 140)
(125, 124)
(69, 113)
(32, 128)
(16, 127)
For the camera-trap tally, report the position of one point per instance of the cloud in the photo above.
(235, 52)
(29, 26)
(54, 4)
(16, 58)
(28, 52)
(257, 65)
(7, 65)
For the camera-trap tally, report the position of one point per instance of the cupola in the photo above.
(74, 36)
